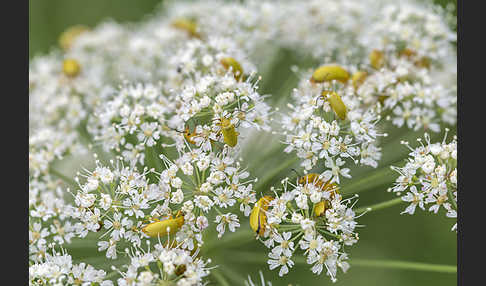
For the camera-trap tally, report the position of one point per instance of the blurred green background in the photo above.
(423, 237)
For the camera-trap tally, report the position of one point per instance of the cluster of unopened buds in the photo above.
(158, 121)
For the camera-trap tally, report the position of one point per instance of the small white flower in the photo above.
(105, 201)
(187, 207)
(176, 182)
(429, 164)
(149, 133)
(202, 222)
(177, 197)
(415, 198)
(297, 218)
(203, 202)
(286, 247)
(206, 187)
(110, 247)
(207, 60)
(91, 185)
(301, 201)
(228, 219)
(281, 261)
(85, 200)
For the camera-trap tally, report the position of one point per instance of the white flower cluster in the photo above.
(164, 265)
(411, 67)
(311, 216)
(167, 104)
(318, 129)
(430, 178)
(353, 28)
(407, 89)
(264, 24)
(123, 204)
(204, 101)
(144, 95)
(421, 28)
(58, 269)
(48, 209)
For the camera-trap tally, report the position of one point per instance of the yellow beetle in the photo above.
(422, 62)
(229, 62)
(258, 218)
(67, 38)
(329, 73)
(320, 208)
(336, 103)
(407, 53)
(164, 227)
(71, 67)
(313, 178)
(186, 25)
(377, 59)
(358, 78)
(189, 135)
(382, 98)
(230, 135)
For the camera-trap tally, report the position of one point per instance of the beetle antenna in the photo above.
(299, 175)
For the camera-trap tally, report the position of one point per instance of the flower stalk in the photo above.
(379, 206)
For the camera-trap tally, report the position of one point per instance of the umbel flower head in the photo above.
(330, 124)
(203, 102)
(429, 178)
(58, 269)
(125, 205)
(164, 264)
(308, 217)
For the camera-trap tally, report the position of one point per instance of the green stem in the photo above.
(378, 177)
(233, 238)
(268, 178)
(323, 229)
(219, 277)
(391, 264)
(451, 197)
(63, 177)
(405, 265)
(257, 148)
(379, 206)
(111, 275)
(235, 276)
(88, 141)
(157, 162)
